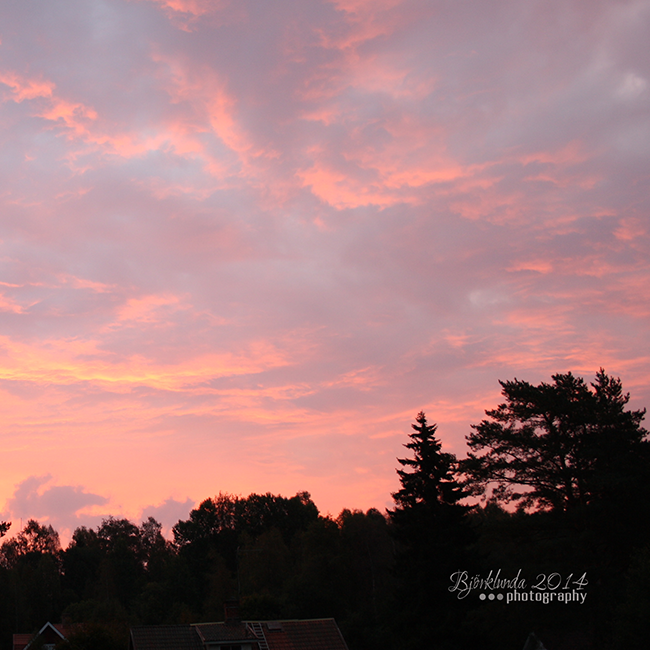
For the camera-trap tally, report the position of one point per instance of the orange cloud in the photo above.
(84, 123)
(67, 362)
(147, 309)
(367, 20)
(630, 230)
(365, 6)
(557, 164)
(83, 283)
(362, 378)
(186, 14)
(75, 116)
(395, 180)
(537, 265)
(571, 153)
(214, 110)
(194, 7)
(10, 305)
(342, 191)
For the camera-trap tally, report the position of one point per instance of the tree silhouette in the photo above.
(430, 526)
(431, 482)
(565, 443)
(33, 562)
(33, 539)
(577, 460)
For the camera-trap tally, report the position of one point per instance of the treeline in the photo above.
(558, 546)
(277, 555)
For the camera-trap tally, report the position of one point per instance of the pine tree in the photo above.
(566, 444)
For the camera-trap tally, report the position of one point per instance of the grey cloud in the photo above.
(169, 512)
(60, 504)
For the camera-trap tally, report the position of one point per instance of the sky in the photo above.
(243, 243)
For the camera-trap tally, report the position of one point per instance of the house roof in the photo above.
(21, 640)
(314, 634)
(310, 634)
(218, 632)
(165, 637)
(50, 633)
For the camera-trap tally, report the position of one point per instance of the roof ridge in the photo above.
(249, 620)
(287, 620)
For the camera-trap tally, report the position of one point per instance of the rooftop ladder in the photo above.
(259, 633)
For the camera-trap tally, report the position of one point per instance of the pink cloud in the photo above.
(194, 7)
(24, 88)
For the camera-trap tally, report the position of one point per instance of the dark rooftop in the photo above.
(310, 634)
(315, 634)
(165, 637)
(217, 632)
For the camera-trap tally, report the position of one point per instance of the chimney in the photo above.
(231, 612)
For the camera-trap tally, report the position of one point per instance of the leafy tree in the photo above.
(4, 527)
(94, 636)
(225, 517)
(566, 444)
(632, 616)
(152, 542)
(259, 513)
(33, 539)
(315, 586)
(224, 529)
(117, 568)
(263, 567)
(211, 517)
(367, 561)
(81, 561)
(32, 559)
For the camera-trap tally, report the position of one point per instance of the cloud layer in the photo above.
(243, 243)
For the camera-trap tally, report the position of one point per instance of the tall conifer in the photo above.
(432, 533)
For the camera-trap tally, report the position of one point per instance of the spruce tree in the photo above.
(430, 484)
(431, 529)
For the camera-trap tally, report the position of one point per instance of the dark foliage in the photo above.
(32, 561)
(433, 534)
(578, 461)
(566, 444)
(430, 483)
(96, 636)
